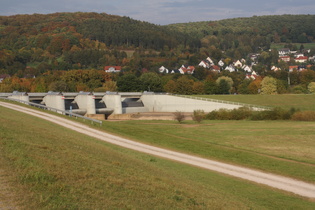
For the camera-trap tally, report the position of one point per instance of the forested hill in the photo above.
(257, 31)
(64, 41)
(288, 27)
(109, 29)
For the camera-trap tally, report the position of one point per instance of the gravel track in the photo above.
(280, 182)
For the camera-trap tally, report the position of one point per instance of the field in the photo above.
(285, 101)
(54, 168)
(281, 45)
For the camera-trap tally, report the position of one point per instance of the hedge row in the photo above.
(245, 113)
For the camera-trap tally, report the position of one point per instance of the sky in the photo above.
(163, 12)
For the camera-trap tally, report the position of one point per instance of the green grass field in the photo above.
(281, 45)
(54, 168)
(285, 101)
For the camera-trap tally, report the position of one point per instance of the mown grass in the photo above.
(285, 101)
(282, 147)
(61, 169)
(281, 45)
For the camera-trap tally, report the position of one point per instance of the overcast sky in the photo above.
(163, 11)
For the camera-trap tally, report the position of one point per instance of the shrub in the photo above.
(304, 116)
(198, 115)
(179, 116)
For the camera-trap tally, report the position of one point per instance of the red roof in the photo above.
(117, 68)
(302, 58)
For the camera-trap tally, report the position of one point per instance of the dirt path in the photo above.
(275, 181)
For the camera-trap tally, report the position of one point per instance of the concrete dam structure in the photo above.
(116, 103)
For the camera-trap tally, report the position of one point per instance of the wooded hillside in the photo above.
(65, 50)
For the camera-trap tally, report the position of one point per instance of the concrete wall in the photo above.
(55, 101)
(21, 97)
(167, 103)
(86, 102)
(113, 102)
(128, 110)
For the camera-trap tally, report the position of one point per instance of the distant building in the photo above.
(301, 59)
(285, 58)
(112, 69)
(284, 51)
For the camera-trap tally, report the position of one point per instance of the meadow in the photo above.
(54, 168)
(285, 101)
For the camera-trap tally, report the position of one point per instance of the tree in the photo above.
(170, 86)
(151, 82)
(311, 87)
(269, 86)
(211, 87)
(184, 85)
(58, 86)
(128, 83)
(225, 85)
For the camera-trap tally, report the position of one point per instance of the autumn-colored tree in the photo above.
(184, 85)
(254, 86)
(198, 88)
(170, 86)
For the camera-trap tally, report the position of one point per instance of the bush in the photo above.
(198, 115)
(179, 116)
(244, 113)
(241, 113)
(274, 114)
(304, 116)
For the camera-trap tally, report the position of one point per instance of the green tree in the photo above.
(311, 87)
(225, 85)
(128, 83)
(269, 86)
(151, 82)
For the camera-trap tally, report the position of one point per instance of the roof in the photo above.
(117, 68)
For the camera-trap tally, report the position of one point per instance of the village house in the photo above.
(252, 76)
(186, 69)
(284, 51)
(112, 69)
(162, 69)
(215, 68)
(206, 63)
(221, 63)
(3, 76)
(301, 59)
(238, 64)
(285, 58)
(247, 68)
(230, 68)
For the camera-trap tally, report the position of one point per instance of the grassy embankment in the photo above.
(54, 168)
(285, 101)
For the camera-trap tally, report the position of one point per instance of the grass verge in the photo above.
(55, 168)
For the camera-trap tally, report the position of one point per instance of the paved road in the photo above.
(275, 181)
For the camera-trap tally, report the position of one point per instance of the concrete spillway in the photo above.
(89, 103)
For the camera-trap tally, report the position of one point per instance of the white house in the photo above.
(162, 69)
(284, 51)
(221, 63)
(204, 64)
(238, 64)
(247, 68)
(230, 68)
(301, 59)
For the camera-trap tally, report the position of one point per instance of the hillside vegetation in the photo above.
(41, 52)
(56, 168)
